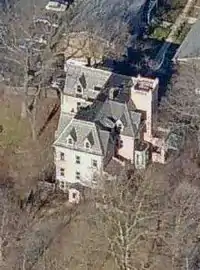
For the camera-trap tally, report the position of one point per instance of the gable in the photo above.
(90, 138)
(81, 132)
(69, 140)
(73, 134)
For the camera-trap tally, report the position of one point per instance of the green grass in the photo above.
(160, 33)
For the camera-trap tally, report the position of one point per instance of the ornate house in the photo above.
(105, 117)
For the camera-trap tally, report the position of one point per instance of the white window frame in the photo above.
(69, 141)
(94, 161)
(197, 91)
(62, 184)
(78, 159)
(119, 125)
(87, 143)
(62, 156)
(78, 106)
(78, 175)
(62, 172)
(79, 88)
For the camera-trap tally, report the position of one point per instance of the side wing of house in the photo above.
(81, 150)
(82, 86)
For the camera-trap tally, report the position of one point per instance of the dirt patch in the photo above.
(21, 158)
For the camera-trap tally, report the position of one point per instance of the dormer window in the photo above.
(72, 138)
(89, 141)
(70, 141)
(119, 125)
(79, 89)
(97, 88)
(87, 145)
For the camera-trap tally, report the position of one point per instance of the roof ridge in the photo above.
(98, 130)
(63, 131)
(129, 116)
(89, 123)
(90, 68)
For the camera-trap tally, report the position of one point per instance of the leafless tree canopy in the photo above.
(110, 20)
(180, 106)
(134, 222)
(137, 221)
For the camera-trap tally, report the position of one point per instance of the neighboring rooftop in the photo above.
(190, 47)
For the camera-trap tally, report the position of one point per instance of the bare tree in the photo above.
(132, 222)
(126, 213)
(179, 227)
(30, 47)
(181, 104)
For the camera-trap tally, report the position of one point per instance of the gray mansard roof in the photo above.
(80, 131)
(64, 120)
(96, 122)
(89, 78)
(112, 110)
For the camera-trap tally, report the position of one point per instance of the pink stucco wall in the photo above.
(147, 101)
(127, 147)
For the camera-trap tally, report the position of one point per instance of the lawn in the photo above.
(160, 32)
(15, 130)
(23, 159)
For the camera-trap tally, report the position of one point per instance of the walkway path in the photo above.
(160, 57)
(180, 20)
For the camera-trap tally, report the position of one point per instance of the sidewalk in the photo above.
(180, 20)
(160, 57)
